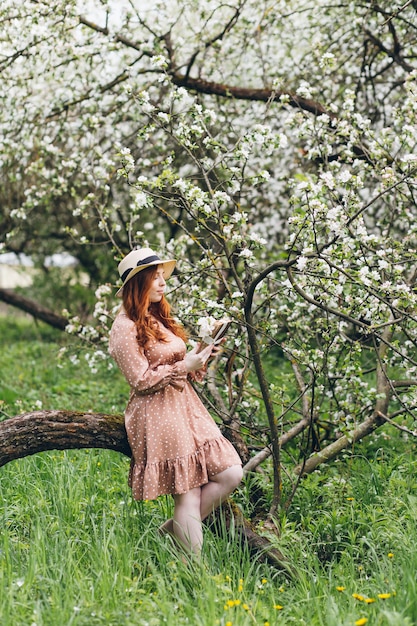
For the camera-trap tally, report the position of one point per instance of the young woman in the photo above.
(177, 447)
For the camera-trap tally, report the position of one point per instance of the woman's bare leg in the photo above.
(219, 489)
(186, 525)
(195, 505)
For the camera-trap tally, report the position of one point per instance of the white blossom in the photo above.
(159, 61)
(302, 263)
(246, 253)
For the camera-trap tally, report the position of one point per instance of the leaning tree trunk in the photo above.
(38, 431)
(29, 433)
(9, 296)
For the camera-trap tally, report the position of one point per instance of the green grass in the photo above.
(76, 549)
(46, 369)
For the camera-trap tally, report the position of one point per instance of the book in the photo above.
(219, 331)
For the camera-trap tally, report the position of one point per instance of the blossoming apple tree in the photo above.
(269, 147)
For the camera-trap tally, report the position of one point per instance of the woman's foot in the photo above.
(167, 528)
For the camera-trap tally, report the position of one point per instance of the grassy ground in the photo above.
(76, 549)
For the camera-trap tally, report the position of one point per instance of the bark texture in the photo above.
(34, 432)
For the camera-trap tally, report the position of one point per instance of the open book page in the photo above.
(219, 331)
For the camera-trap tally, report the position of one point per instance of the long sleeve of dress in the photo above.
(135, 366)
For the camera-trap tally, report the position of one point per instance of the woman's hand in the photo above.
(194, 361)
(217, 347)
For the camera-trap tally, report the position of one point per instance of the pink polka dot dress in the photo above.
(176, 445)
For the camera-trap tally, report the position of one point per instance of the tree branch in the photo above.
(36, 310)
(119, 38)
(261, 456)
(243, 93)
(403, 429)
(38, 431)
(218, 37)
(370, 424)
(332, 450)
(393, 54)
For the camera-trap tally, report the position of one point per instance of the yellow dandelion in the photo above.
(340, 588)
(390, 555)
(384, 596)
(266, 623)
(228, 623)
(370, 600)
(264, 581)
(245, 606)
(358, 596)
(350, 499)
(240, 588)
(361, 621)
(230, 603)
(278, 607)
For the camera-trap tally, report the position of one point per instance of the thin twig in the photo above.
(404, 429)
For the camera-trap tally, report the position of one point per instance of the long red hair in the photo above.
(144, 313)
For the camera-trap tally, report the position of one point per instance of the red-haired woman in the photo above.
(177, 447)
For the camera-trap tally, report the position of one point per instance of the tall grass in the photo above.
(76, 549)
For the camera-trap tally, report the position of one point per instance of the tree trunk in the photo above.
(38, 431)
(29, 433)
(229, 516)
(29, 306)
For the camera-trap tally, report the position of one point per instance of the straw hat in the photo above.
(138, 260)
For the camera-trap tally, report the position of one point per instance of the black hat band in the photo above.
(149, 259)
